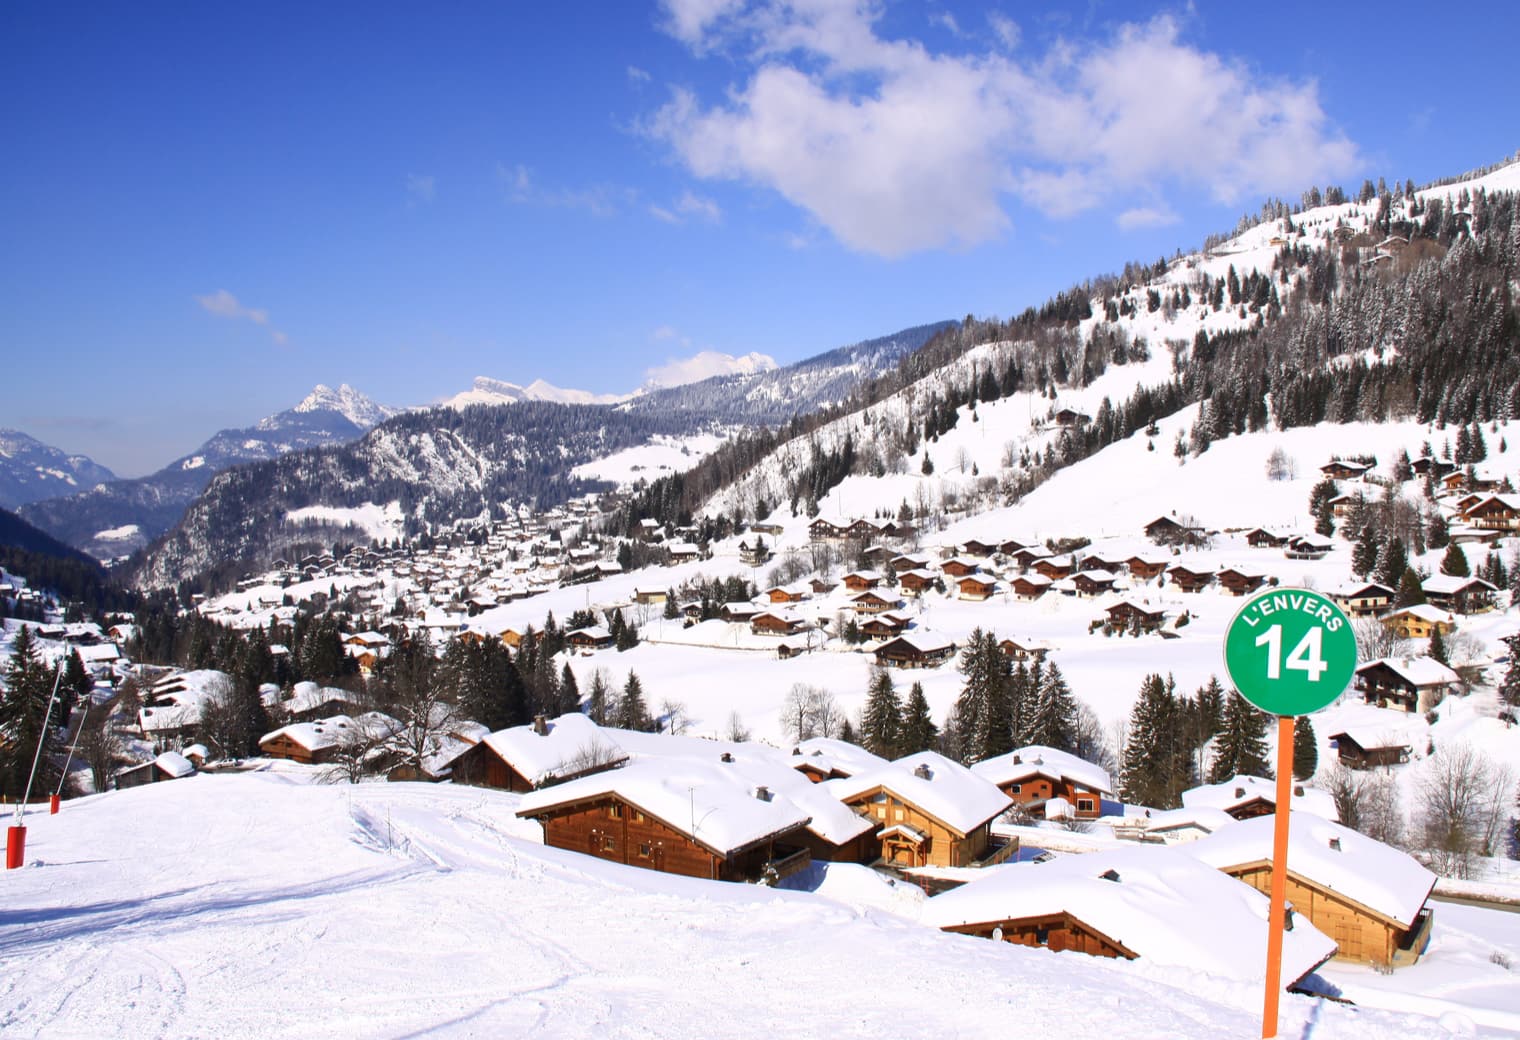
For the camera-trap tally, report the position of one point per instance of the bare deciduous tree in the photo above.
(1375, 640)
(810, 711)
(1463, 800)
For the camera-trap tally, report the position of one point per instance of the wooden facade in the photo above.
(1023, 588)
(1127, 615)
(1353, 755)
(612, 828)
(1062, 931)
(1187, 579)
(907, 836)
(1240, 583)
(976, 588)
(481, 766)
(283, 745)
(903, 653)
(1363, 934)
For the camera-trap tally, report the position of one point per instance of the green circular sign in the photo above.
(1290, 651)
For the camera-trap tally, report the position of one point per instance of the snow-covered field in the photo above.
(255, 904)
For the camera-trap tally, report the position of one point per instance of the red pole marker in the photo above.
(53, 801)
(15, 847)
(1279, 897)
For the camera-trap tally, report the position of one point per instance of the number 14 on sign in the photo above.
(1305, 657)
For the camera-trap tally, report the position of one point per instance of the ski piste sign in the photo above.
(1290, 651)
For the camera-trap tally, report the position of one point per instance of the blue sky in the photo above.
(206, 210)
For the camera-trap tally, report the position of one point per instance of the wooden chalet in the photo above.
(314, 743)
(170, 765)
(549, 751)
(1459, 594)
(1024, 649)
(1030, 586)
(916, 582)
(1342, 506)
(976, 588)
(1365, 599)
(1245, 797)
(1425, 464)
(1144, 567)
(1053, 567)
(1032, 776)
(1359, 749)
(873, 603)
(1341, 469)
(679, 816)
(1308, 547)
(594, 638)
(776, 623)
(1414, 684)
(1456, 480)
(906, 562)
(1071, 417)
(1028, 555)
(1261, 538)
(739, 611)
(960, 567)
(822, 530)
(978, 548)
(1166, 531)
(1093, 583)
(861, 581)
(821, 586)
(650, 597)
(786, 594)
(1368, 897)
(914, 651)
(1151, 904)
(1239, 582)
(1189, 579)
(928, 811)
(1419, 621)
(824, 758)
(753, 554)
(883, 626)
(1125, 616)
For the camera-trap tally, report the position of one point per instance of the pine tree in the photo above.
(881, 719)
(1055, 716)
(1509, 687)
(982, 710)
(596, 704)
(1438, 534)
(569, 691)
(1455, 561)
(1305, 749)
(1155, 769)
(1437, 647)
(1241, 748)
(918, 730)
(1392, 563)
(1364, 556)
(1410, 589)
(631, 711)
(25, 721)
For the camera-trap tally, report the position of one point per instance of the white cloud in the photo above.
(638, 75)
(705, 365)
(225, 305)
(1145, 217)
(689, 205)
(522, 189)
(895, 149)
(421, 187)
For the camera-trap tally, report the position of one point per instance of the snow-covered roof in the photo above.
(946, 790)
(1450, 584)
(835, 756)
(1159, 903)
(1038, 760)
(572, 744)
(308, 696)
(1199, 817)
(1425, 612)
(1378, 876)
(318, 735)
(1241, 790)
(1417, 671)
(718, 808)
(174, 764)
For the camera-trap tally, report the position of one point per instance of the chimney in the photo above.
(1018, 759)
(725, 757)
(1240, 792)
(541, 725)
(763, 793)
(1335, 844)
(922, 772)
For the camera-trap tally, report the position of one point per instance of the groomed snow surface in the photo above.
(257, 904)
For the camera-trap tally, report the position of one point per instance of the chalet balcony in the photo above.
(1001, 850)
(782, 867)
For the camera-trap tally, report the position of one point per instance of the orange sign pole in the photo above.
(1279, 909)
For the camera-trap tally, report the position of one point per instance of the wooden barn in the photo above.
(549, 751)
(170, 765)
(1149, 903)
(1032, 776)
(679, 816)
(928, 811)
(915, 650)
(1368, 897)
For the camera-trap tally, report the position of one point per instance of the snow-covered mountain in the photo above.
(488, 391)
(31, 470)
(116, 517)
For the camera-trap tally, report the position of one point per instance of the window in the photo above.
(638, 817)
(609, 843)
(899, 814)
(1042, 936)
(645, 852)
(614, 812)
(1084, 805)
(1016, 788)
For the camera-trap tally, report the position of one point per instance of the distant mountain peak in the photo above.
(347, 402)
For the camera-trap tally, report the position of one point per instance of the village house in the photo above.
(1262, 538)
(861, 581)
(1419, 621)
(821, 586)
(1164, 530)
(1089, 584)
(915, 650)
(786, 593)
(679, 816)
(824, 758)
(1145, 566)
(777, 623)
(1126, 616)
(314, 743)
(1033, 776)
(1027, 556)
(1362, 599)
(916, 582)
(594, 638)
(549, 751)
(976, 588)
(1414, 684)
(1053, 567)
(1247, 797)
(1368, 897)
(978, 548)
(1030, 586)
(1366, 749)
(928, 811)
(1240, 582)
(170, 765)
(1189, 579)
(1341, 469)
(873, 603)
(1459, 594)
(960, 567)
(883, 626)
(1024, 649)
(753, 555)
(1308, 547)
(1150, 904)
(649, 596)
